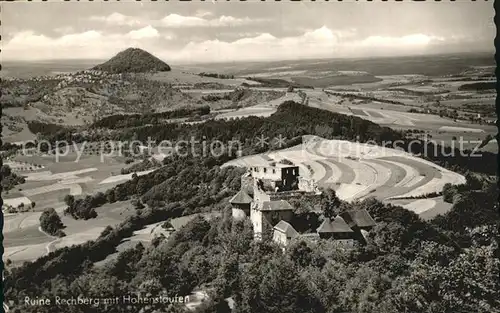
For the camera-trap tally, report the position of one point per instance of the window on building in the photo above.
(265, 170)
(274, 171)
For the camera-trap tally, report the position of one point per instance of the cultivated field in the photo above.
(25, 241)
(262, 109)
(440, 129)
(357, 171)
(47, 186)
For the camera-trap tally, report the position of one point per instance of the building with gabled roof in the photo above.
(241, 198)
(276, 205)
(241, 203)
(336, 229)
(264, 215)
(358, 219)
(284, 233)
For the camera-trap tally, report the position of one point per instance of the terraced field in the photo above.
(357, 171)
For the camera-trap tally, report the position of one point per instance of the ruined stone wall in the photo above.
(247, 183)
(259, 195)
(308, 185)
(287, 195)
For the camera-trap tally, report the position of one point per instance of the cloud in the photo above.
(145, 32)
(28, 45)
(117, 19)
(177, 21)
(64, 30)
(200, 19)
(180, 21)
(203, 13)
(409, 40)
(317, 43)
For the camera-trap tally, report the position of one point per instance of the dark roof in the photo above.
(286, 228)
(241, 198)
(360, 218)
(338, 225)
(276, 205)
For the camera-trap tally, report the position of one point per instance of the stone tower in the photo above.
(241, 203)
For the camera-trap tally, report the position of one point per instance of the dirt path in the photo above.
(50, 244)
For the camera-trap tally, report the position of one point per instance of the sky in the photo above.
(204, 32)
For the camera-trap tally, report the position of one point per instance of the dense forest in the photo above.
(407, 265)
(133, 60)
(43, 128)
(479, 86)
(135, 120)
(275, 83)
(356, 96)
(216, 75)
(194, 182)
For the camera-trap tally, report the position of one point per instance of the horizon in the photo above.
(49, 61)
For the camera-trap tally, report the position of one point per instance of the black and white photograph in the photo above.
(249, 157)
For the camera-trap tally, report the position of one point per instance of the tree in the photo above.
(449, 192)
(301, 254)
(69, 200)
(282, 290)
(227, 281)
(139, 205)
(213, 306)
(5, 171)
(330, 203)
(51, 222)
(473, 182)
(108, 230)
